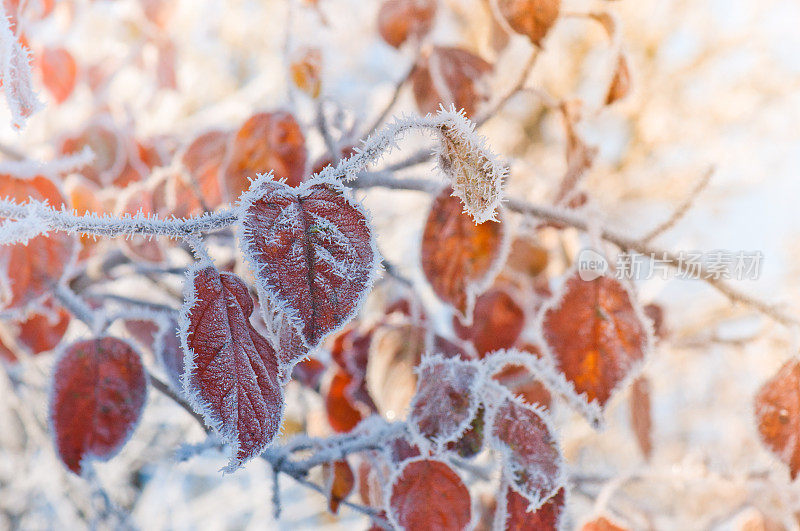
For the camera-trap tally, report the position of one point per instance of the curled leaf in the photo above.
(621, 82)
(99, 390)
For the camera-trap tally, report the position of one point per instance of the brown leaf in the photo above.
(594, 335)
(641, 416)
(532, 18)
(399, 20)
(777, 410)
(450, 76)
(339, 481)
(459, 257)
(620, 83)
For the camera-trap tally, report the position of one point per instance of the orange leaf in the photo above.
(59, 71)
(640, 415)
(496, 324)
(532, 18)
(399, 20)
(621, 82)
(450, 76)
(339, 481)
(594, 335)
(266, 142)
(459, 257)
(306, 70)
(777, 409)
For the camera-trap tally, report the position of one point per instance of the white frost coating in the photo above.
(501, 395)
(27, 169)
(192, 395)
(88, 458)
(396, 476)
(593, 411)
(476, 174)
(274, 302)
(52, 219)
(458, 428)
(15, 74)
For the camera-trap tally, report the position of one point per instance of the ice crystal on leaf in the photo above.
(311, 250)
(15, 74)
(231, 371)
(446, 399)
(531, 457)
(475, 174)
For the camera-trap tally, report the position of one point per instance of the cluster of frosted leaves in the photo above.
(99, 391)
(525, 438)
(428, 494)
(312, 252)
(459, 258)
(30, 270)
(595, 336)
(231, 371)
(474, 173)
(446, 399)
(777, 411)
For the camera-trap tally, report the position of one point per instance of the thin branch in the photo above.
(515, 89)
(623, 242)
(682, 209)
(398, 88)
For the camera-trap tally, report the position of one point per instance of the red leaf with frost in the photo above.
(446, 399)
(232, 373)
(519, 518)
(531, 456)
(428, 494)
(312, 252)
(41, 332)
(99, 390)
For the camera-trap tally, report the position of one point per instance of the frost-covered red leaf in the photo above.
(451, 76)
(521, 382)
(339, 481)
(99, 390)
(399, 20)
(459, 258)
(517, 517)
(497, 322)
(446, 400)
(428, 494)
(595, 335)
(532, 18)
(531, 456)
(602, 524)
(777, 410)
(59, 72)
(266, 142)
(231, 371)
(108, 146)
(312, 252)
(29, 271)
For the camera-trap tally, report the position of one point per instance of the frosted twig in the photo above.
(623, 242)
(398, 87)
(322, 125)
(20, 167)
(15, 74)
(77, 307)
(682, 209)
(51, 219)
(515, 89)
